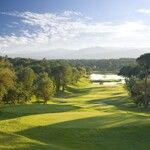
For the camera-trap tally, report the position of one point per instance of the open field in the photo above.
(88, 117)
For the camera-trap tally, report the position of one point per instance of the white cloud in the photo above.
(144, 11)
(70, 13)
(72, 30)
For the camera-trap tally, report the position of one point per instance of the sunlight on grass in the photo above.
(89, 117)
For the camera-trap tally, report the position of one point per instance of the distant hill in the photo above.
(87, 53)
(105, 53)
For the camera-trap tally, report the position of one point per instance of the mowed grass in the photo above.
(87, 117)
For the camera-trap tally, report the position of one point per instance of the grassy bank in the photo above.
(87, 117)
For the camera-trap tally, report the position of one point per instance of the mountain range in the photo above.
(87, 53)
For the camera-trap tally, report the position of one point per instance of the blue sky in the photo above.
(36, 25)
(100, 10)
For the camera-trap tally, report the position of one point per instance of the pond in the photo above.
(107, 78)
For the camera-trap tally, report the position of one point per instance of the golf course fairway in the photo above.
(87, 117)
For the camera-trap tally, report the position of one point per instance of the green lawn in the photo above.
(88, 117)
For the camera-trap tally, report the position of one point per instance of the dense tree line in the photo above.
(104, 65)
(138, 80)
(21, 78)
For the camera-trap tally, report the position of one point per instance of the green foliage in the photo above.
(103, 65)
(29, 71)
(75, 75)
(138, 88)
(144, 63)
(12, 96)
(27, 77)
(66, 76)
(62, 75)
(129, 71)
(45, 88)
(7, 77)
(82, 71)
(57, 75)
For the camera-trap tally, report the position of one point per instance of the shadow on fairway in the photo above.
(31, 109)
(72, 92)
(18, 142)
(120, 102)
(102, 132)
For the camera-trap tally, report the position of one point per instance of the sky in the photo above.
(42, 25)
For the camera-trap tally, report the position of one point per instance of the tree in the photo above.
(57, 74)
(133, 83)
(144, 63)
(7, 77)
(37, 68)
(62, 75)
(75, 75)
(45, 88)
(12, 96)
(26, 78)
(129, 71)
(82, 71)
(66, 76)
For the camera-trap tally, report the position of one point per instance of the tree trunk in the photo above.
(57, 88)
(63, 87)
(45, 102)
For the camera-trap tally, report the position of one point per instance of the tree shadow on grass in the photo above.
(101, 132)
(13, 141)
(72, 92)
(120, 102)
(9, 112)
